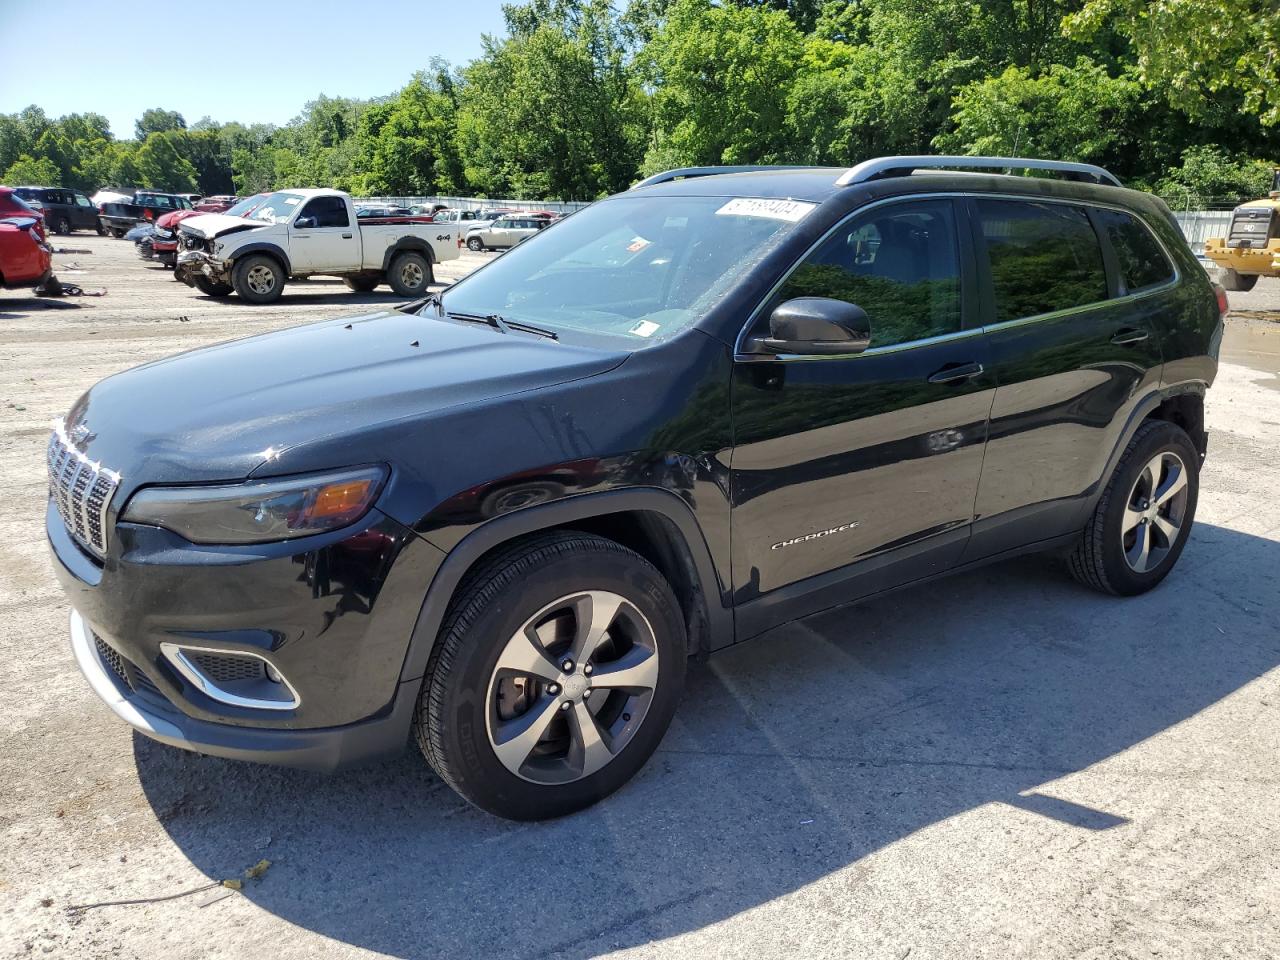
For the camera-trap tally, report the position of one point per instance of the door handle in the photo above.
(955, 372)
(346, 236)
(1129, 335)
(300, 236)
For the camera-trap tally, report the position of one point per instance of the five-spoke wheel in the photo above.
(555, 676)
(571, 687)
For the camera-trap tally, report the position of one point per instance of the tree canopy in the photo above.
(578, 98)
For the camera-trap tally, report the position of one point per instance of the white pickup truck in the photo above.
(304, 233)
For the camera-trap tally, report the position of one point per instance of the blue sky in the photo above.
(228, 59)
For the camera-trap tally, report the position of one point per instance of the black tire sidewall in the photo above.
(1122, 578)
(474, 769)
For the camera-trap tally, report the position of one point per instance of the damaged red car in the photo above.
(25, 258)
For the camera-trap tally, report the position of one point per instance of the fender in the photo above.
(1140, 412)
(558, 513)
(262, 246)
(407, 243)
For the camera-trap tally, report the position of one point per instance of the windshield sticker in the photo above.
(292, 201)
(637, 244)
(789, 210)
(645, 328)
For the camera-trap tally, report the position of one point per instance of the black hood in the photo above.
(221, 412)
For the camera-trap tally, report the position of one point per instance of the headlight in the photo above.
(262, 510)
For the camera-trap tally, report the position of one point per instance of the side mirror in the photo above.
(304, 223)
(816, 326)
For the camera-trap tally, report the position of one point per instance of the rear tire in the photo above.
(552, 620)
(1238, 282)
(1143, 519)
(410, 274)
(102, 231)
(210, 288)
(361, 284)
(258, 279)
(61, 226)
(117, 233)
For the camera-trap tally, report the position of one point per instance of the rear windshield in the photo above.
(638, 268)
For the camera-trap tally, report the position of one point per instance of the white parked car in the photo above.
(503, 233)
(304, 233)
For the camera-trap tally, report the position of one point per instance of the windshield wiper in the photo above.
(499, 322)
(416, 306)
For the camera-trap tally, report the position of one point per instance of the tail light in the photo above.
(147, 215)
(1221, 294)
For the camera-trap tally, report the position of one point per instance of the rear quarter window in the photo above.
(1043, 257)
(1141, 259)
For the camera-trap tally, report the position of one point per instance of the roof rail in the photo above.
(684, 173)
(882, 167)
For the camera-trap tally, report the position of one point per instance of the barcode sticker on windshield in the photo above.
(790, 210)
(645, 328)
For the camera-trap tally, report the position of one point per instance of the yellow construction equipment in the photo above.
(1251, 248)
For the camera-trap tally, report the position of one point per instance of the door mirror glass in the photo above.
(817, 325)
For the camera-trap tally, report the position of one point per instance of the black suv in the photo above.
(64, 210)
(503, 519)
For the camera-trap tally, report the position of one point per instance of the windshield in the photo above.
(277, 207)
(243, 208)
(639, 268)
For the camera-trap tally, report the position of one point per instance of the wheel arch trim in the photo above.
(414, 244)
(494, 533)
(263, 247)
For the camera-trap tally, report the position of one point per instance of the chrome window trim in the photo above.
(739, 355)
(176, 655)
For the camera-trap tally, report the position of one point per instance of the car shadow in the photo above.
(791, 757)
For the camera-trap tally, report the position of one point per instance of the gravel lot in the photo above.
(1001, 764)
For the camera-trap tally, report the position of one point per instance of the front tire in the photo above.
(1238, 282)
(556, 674)
(475, 244)
(258, 279)
(1143, 519)
(410, 274)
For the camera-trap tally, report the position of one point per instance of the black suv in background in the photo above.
(502, 519)
(64, 210)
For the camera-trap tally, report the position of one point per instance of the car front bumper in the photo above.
(317, 749)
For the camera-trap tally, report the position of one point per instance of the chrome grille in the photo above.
(81, 489)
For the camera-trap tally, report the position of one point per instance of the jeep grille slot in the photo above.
(81, 490)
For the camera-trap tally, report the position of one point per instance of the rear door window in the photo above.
(1141, 259)
(83, 201)
(1044, 257)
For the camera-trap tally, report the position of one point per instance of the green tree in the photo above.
(552, 110)
(35, 171)
(1192, 50)
(1068, 112)
(1211, 173)
(720, 76)
(161, 164)
(156, 120)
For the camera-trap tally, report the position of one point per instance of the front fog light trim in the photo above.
(250, 693)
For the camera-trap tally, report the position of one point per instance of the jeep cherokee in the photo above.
(501, 519)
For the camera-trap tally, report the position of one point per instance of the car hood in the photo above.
(210, 225)
(221, 412)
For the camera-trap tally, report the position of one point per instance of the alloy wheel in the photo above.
(411, 274)
(1155, 512)
(261, 279)
(571, 687)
